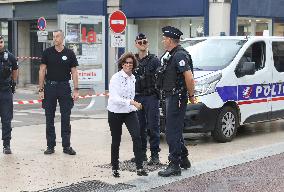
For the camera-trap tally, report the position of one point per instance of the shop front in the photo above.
(254, 16)
(150, 16)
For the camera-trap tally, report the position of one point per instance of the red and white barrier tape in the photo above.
(40, 101)
(32, 58)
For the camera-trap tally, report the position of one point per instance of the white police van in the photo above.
(238, 80)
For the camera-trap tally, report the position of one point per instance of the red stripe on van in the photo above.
(252, 101)
(277, 98)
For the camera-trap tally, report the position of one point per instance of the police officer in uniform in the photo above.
(8, 77)
(147, 95)
(58, 63)
(177, 86)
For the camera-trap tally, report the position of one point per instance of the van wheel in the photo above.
(226, 125)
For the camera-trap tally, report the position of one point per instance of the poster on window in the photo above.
(85, 36)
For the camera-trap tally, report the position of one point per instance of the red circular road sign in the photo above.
(117, 22)
(41, 23)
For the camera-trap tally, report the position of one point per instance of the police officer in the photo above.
(58, 63)
(178, 87)
(8, 77)
(147, 95)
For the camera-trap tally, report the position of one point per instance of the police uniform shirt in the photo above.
(180, 60)
(146, 66)
(121, 92)
(59, 64)
(11, 60)
(178, 64)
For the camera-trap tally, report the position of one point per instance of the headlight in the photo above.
(208, 85)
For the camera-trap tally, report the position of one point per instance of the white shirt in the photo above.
(121, 92)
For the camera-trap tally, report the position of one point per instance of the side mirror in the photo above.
(245, 68)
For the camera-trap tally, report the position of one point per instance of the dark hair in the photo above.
(1, 37)
(123, 58)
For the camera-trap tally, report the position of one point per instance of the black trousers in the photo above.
(6, 114)
(62, 93)
(115, 121)
(175, 112)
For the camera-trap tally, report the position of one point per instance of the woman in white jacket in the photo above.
(122, 109)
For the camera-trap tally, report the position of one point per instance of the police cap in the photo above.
(141, 36)
(171, 32)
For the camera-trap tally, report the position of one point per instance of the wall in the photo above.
(24, 50)
(219, 18)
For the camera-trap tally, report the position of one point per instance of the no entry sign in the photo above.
(117, 22)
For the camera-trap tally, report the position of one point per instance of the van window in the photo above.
(213, 54)
(278, 55)
(255, 53)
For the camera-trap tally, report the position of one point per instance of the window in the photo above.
(278, 55)
(255, 53)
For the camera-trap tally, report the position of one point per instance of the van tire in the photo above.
(226, 125)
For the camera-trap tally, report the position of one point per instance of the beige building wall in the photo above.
(219, 18)
(24, 50)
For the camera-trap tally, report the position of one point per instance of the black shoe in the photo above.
(141, 172)
(154, 160)
(185, 163)
(69, 151)
(7, 150)
(49, 151)
(171, 170)
(115, 173)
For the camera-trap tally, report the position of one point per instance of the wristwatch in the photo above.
(76, 89)
(191, 96)
(41, 90)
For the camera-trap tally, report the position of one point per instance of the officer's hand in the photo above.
(192, 100)
(75, 95)
(41, 95)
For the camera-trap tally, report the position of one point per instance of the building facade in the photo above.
(85, 24)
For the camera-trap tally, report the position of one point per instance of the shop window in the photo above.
(278, 55)
(255, 53)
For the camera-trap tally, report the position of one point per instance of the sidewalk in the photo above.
(28, 169)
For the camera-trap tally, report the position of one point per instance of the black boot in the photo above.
(171, 170)
(141, 172)
(7, 150)
(185, 163)
(154, 159)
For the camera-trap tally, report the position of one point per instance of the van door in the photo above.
(277, 90)
(254, 90)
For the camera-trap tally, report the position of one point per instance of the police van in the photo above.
(238, 81)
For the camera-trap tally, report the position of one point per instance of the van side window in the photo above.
(278, 55)
(255, 53)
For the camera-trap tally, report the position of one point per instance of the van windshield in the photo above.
(212, 54)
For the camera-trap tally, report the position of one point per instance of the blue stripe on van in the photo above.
(250, 92)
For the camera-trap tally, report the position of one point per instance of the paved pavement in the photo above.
(28, 169)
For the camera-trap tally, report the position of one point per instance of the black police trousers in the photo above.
(61, 92)
(175, 112)
(115, 121)
(6, 114)
(149, 120)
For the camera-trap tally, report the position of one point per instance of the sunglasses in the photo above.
(144, 42)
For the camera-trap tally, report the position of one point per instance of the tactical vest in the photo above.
(170, 81)
(5, 70)
(145, 78)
